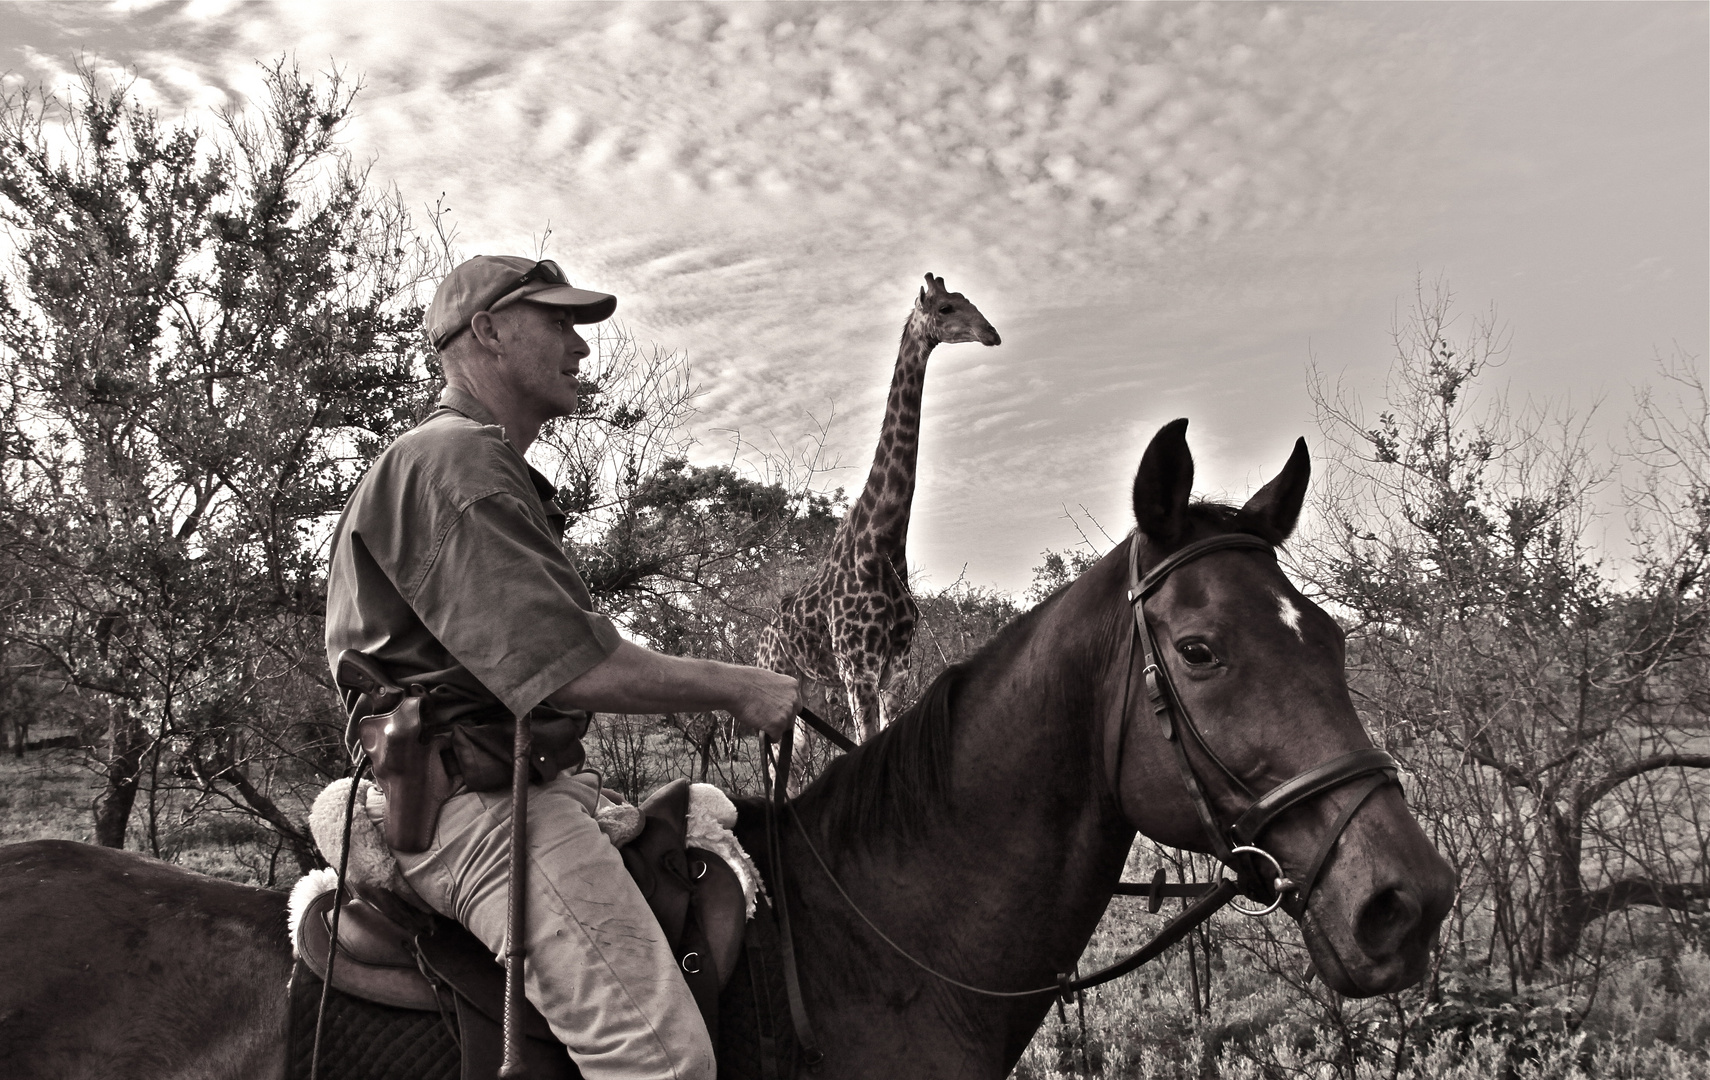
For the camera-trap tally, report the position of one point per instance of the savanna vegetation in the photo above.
(206, 334)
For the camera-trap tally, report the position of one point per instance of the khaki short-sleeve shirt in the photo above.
(448, 568)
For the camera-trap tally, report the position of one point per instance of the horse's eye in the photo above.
(1197, 653)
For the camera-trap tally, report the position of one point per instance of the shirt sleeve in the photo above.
(501, 596)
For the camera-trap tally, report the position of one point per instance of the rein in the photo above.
(1236, 847)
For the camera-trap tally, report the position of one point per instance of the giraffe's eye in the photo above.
(946, 309)
(1197, 653)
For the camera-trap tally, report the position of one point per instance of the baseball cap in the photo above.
(491, 282)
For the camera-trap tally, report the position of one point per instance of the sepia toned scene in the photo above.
(1158, 540)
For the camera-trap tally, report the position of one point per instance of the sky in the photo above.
(1165, 209)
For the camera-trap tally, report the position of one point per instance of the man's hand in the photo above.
(769, 703)
(638, 680)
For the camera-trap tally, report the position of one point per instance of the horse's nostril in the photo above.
(1386, 922)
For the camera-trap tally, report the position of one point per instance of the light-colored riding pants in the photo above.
(598, 967)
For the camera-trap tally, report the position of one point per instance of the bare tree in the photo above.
(1543, 704)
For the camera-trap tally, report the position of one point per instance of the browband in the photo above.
(1139, 588)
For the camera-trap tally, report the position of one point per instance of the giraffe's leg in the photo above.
(811, 753)
(801, 769)
(857, 648)
(892, 689)
(866, 704)
(897, 622)
(801, 765)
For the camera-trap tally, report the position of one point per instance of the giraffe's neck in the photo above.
(880, 516)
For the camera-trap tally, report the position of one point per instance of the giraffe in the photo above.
(852, 624)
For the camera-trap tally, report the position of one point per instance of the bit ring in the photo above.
(1281, 884)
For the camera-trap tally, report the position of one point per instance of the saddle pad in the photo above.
(756, 1038)
(377, 963)
(363, 1040)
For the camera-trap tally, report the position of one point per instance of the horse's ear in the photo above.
(1277, 504)
(1162, 485)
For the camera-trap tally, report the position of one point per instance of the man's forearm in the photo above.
(638, 680)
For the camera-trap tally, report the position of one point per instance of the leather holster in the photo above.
(409, 766)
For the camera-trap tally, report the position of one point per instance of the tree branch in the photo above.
(1633, 892)
(1617, 777)
(1514, 774)
(258, 803)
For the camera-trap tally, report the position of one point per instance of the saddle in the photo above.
(395, 956)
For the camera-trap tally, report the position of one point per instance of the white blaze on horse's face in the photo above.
(1290, 615)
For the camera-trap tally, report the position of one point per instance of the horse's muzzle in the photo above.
(1373, 926)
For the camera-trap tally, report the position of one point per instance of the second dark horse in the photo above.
(981, 833)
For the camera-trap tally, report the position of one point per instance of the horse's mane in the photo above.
(1219, 517)
(889, 785)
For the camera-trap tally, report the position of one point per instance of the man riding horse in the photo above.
(448, 570)
(943, 879)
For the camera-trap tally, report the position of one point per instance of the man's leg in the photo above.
(598, 967)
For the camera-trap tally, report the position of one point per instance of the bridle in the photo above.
(1235, 846)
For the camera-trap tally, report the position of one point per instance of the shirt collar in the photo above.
(458, 401)
(467, 404)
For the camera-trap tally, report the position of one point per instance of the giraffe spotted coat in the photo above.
(852, 624)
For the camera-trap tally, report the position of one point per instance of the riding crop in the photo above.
(511, 1066)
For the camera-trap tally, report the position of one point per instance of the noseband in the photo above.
(1237, 845)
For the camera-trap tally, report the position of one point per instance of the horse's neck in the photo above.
(1028, 838)
(1006, 881)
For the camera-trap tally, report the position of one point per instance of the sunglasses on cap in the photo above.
(545, 270)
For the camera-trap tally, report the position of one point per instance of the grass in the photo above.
(50, 795)
(1260, 1028)
(1650, 1017)
(47, 795)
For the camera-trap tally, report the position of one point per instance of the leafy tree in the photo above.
(1058, 569)
(208, 337)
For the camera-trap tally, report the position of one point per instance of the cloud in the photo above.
(764, 184)
(840, 142)
(1145, 199)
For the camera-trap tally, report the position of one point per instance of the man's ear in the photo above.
(485, 329)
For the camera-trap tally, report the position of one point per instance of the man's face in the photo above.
(542, 357)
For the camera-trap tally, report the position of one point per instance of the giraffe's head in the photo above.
(948, 317)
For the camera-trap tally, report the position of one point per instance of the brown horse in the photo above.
(984, 832)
